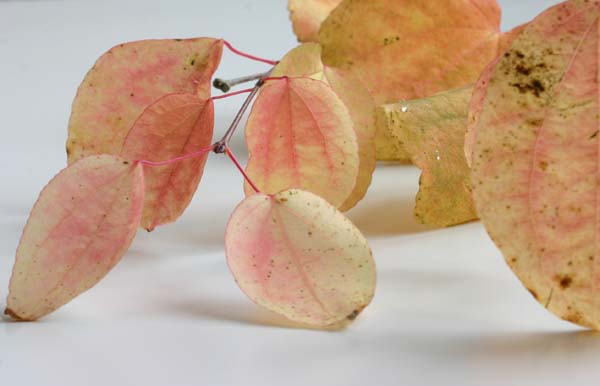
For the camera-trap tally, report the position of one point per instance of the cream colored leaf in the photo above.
(78, 230)
(296, 255)
(535, 160)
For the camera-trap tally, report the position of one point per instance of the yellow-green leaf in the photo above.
(432, 130)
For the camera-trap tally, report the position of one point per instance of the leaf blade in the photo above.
(175, 125)
(266, 245)
(305, 60)
(81, 225)
(129, 78)
(535, 160)
(307, 141)
(432, 130)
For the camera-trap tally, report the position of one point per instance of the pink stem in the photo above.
(232, 94)
(245, 55)
(275, 78)
(181, 158)
(241, 169)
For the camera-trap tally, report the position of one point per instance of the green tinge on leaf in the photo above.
(432, 130)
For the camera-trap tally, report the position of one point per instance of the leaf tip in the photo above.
(13, 315)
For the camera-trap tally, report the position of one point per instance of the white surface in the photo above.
(448, 311)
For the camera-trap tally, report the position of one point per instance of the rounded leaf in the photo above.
(300, 135)
(535, 160)
(305, 60)
(295, 254)
(175, 125)
(80, 227)
(129, 78)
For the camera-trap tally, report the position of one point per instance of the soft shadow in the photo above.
(522, 351)
(535, 345)
(387, 217)
(239, 312)
(190, 230)
(193, 229)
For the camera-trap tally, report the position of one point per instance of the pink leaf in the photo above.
(305, 60)
(300, 135)
(129, 78)
(81, 225)
(295, 254)
(535, 160)
(175, 125)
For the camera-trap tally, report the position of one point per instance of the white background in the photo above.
(447, 311)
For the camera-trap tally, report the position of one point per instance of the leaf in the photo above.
(307, 16)
(475, 107)
(129, 78)
(432, 130)
(81, 225)
(403, 50)
(296, 255)
(480, 91)
(175, 125)
(535, 160)
(305, 60)
(300, 135)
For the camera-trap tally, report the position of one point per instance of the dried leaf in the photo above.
(307, 16)
(403, 50)
(432, 130)
(475, 107)
(81, 225)
(535, 160)
(295, 254)
(480, 90)
(300, 135)
(129, 78)
(175, 125)
(305, 60)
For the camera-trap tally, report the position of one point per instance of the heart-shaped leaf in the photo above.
(535, 159)
(128, 79)
(432, 130)
(81, 225)
(300, 135)
(307, 16)
(305, 60)
(295, 254)
(175, 125)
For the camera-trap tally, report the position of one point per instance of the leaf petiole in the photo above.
(248, 56)
(241, 169)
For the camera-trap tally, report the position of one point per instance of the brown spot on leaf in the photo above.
(353, 315)
(565, 281)
(535, 86)
(13, 314)
(533, 293)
